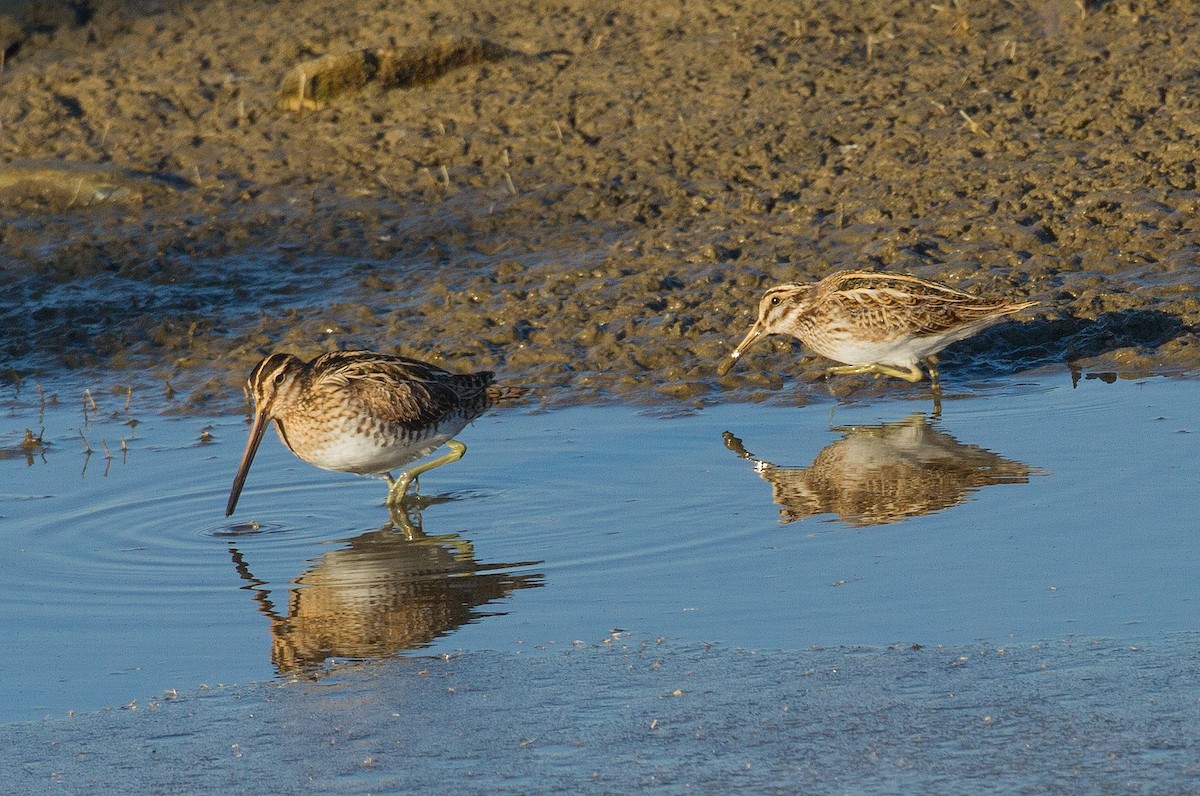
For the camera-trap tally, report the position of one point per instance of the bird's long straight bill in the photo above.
(239, 480)
(750, 339)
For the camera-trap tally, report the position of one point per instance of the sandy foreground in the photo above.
(593, 200)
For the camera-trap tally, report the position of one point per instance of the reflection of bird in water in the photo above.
(385, 591)
(874, 475)
(364, 412)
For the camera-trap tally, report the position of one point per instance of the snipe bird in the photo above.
(364, 412)
(885, 324)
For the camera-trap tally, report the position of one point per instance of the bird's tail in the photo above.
(1011, 308)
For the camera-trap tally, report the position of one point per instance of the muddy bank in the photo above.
(596, 213)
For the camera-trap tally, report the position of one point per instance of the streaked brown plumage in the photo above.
(364, 412)
(886, 324)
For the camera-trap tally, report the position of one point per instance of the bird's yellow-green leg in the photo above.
(913, 373)
(935, 385)
(400, 485)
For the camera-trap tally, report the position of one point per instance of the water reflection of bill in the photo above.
(879, 474)
(383, 592)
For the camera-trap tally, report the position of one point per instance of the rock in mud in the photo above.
(314, 84)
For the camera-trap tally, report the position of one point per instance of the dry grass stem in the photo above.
(973, 125)
(78, 188)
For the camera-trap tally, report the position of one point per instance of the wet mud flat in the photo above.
(661, 715)
(594, 210)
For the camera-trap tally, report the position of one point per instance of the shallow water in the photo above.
(1036, 511)
(663, 716)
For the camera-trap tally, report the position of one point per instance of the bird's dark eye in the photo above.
(774, 300)
(279, 378)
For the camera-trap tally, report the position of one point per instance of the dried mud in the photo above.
(595, 215)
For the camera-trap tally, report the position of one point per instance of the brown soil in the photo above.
(595, 213)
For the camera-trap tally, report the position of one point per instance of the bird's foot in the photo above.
(912, 374)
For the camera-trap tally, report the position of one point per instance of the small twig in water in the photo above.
(31, 443)
(972, 125)
(78, 188)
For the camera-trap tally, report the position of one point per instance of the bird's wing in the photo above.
(904, 312)
(399, 389)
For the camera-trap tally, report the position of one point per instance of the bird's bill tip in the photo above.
(750, 339)
(728, 363)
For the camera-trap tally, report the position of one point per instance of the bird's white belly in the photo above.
(372, 454)
(906, 350)
(902, 352)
